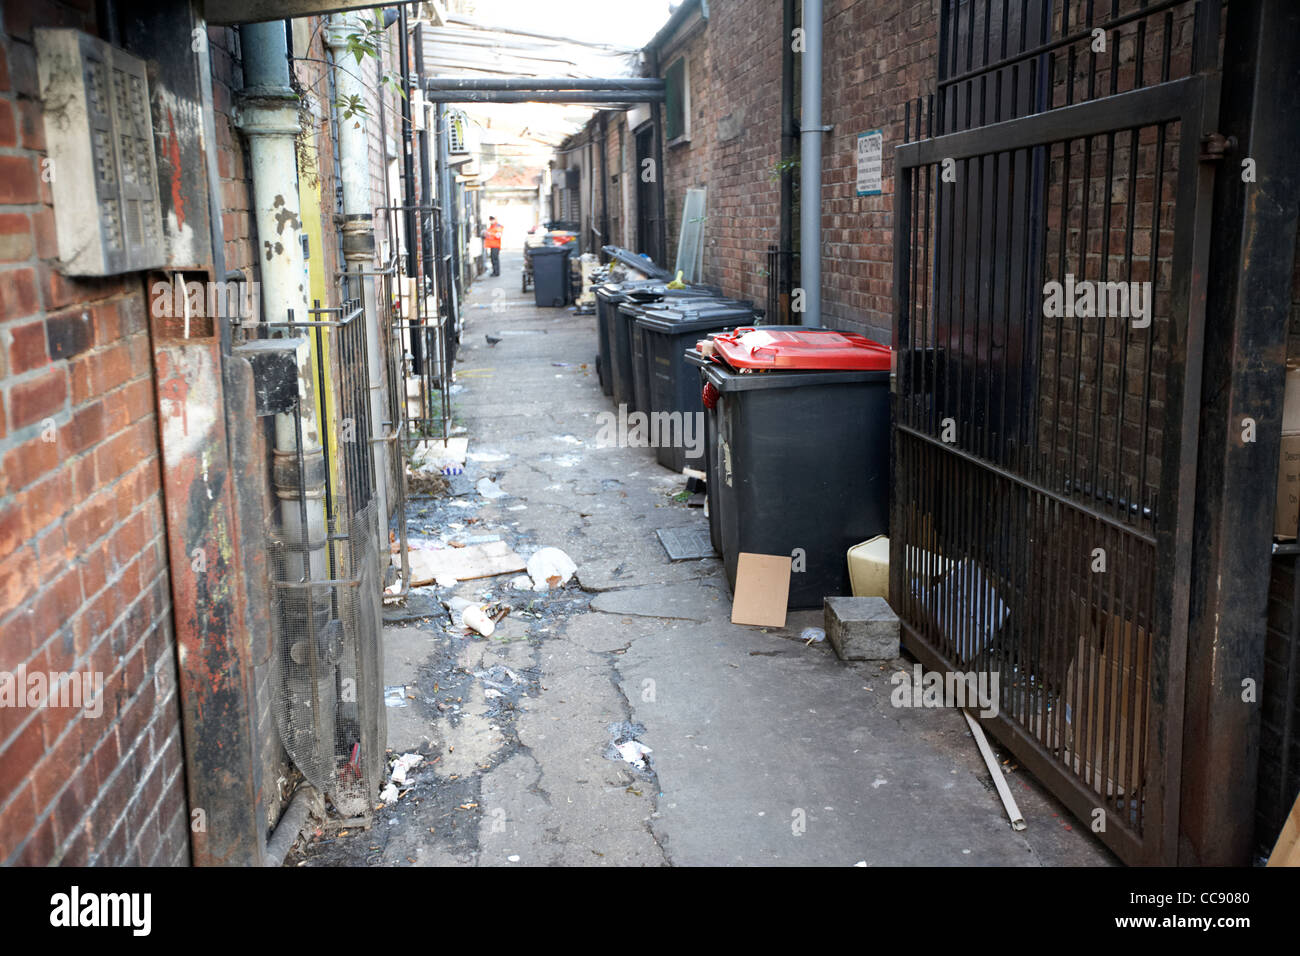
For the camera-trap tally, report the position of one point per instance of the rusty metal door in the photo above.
(1051, 240)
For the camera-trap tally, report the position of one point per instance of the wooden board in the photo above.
(464, 564)
(1286, 852)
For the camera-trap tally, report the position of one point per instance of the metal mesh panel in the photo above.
(424, 335)
(327, 575)
(326, 657)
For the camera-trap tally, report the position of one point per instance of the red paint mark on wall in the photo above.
(174, 388)
(174, 156)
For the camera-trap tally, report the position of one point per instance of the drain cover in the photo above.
(682, 544)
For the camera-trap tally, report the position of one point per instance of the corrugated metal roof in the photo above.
(468, 47)
(465, 46)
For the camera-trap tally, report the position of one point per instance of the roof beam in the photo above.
(537, 83)
(501, 90)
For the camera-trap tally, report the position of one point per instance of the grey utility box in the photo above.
(101, 166)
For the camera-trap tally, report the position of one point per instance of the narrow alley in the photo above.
(764, 750)
(650, 434)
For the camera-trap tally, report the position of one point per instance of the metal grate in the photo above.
(1045, 452)
(425, 333)
(782, 278)
(326, 570)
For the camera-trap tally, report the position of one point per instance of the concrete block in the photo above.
(862, 628)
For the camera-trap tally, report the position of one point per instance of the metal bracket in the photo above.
(1215, 145)
(816, 129)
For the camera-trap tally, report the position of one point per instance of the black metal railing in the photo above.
(326, 564)
(1042, 442)
(782, 279)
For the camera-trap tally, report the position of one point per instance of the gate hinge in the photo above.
(1215, 145)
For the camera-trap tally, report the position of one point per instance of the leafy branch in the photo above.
(369, 42)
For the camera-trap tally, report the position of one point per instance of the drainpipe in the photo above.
(447, 204)
(657, 124)
(268, 117)
(789, 143)
(408, 147)
(810, 165)
(604, 181)
(359, 244)
(422, 143)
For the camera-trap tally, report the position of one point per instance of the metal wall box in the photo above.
(277, 364)
(457, 143)
(99, 131)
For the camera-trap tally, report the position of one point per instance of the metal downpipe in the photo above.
(810, 166)
(268, 117)
(359, 251)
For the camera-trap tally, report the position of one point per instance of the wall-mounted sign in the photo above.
(871, 147)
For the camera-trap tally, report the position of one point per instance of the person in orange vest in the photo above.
(492, 243)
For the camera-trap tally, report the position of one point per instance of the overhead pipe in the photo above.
(359, 248)
(811, 131)
(476, 83)
(527, 95)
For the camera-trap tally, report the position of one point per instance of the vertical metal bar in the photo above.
(1153, 260)
(1079, 319)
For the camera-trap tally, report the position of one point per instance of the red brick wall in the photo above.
(237, 221)
(689, 160)
(877, 54)
(614, 173)
(83, 573)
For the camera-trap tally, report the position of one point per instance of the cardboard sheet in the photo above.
(762, 589)
(463, 564)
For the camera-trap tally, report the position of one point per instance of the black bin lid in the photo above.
(680, 316)
(633, 309)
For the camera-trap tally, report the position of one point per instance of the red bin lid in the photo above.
(790, 347)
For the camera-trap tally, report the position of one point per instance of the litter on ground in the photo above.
(550, 568)
(489, 489)
(634, 752)
(446, 566)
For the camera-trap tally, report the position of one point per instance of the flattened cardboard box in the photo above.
(1288, 473)
(762, 589)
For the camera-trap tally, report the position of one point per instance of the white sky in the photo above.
(629, 23)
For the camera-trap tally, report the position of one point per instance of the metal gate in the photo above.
(1051, 240)
(425, 328)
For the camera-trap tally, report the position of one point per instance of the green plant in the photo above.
(787, 165)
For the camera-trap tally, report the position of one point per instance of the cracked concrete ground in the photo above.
(766, 751)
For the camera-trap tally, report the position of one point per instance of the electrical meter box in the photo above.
(101, 167)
